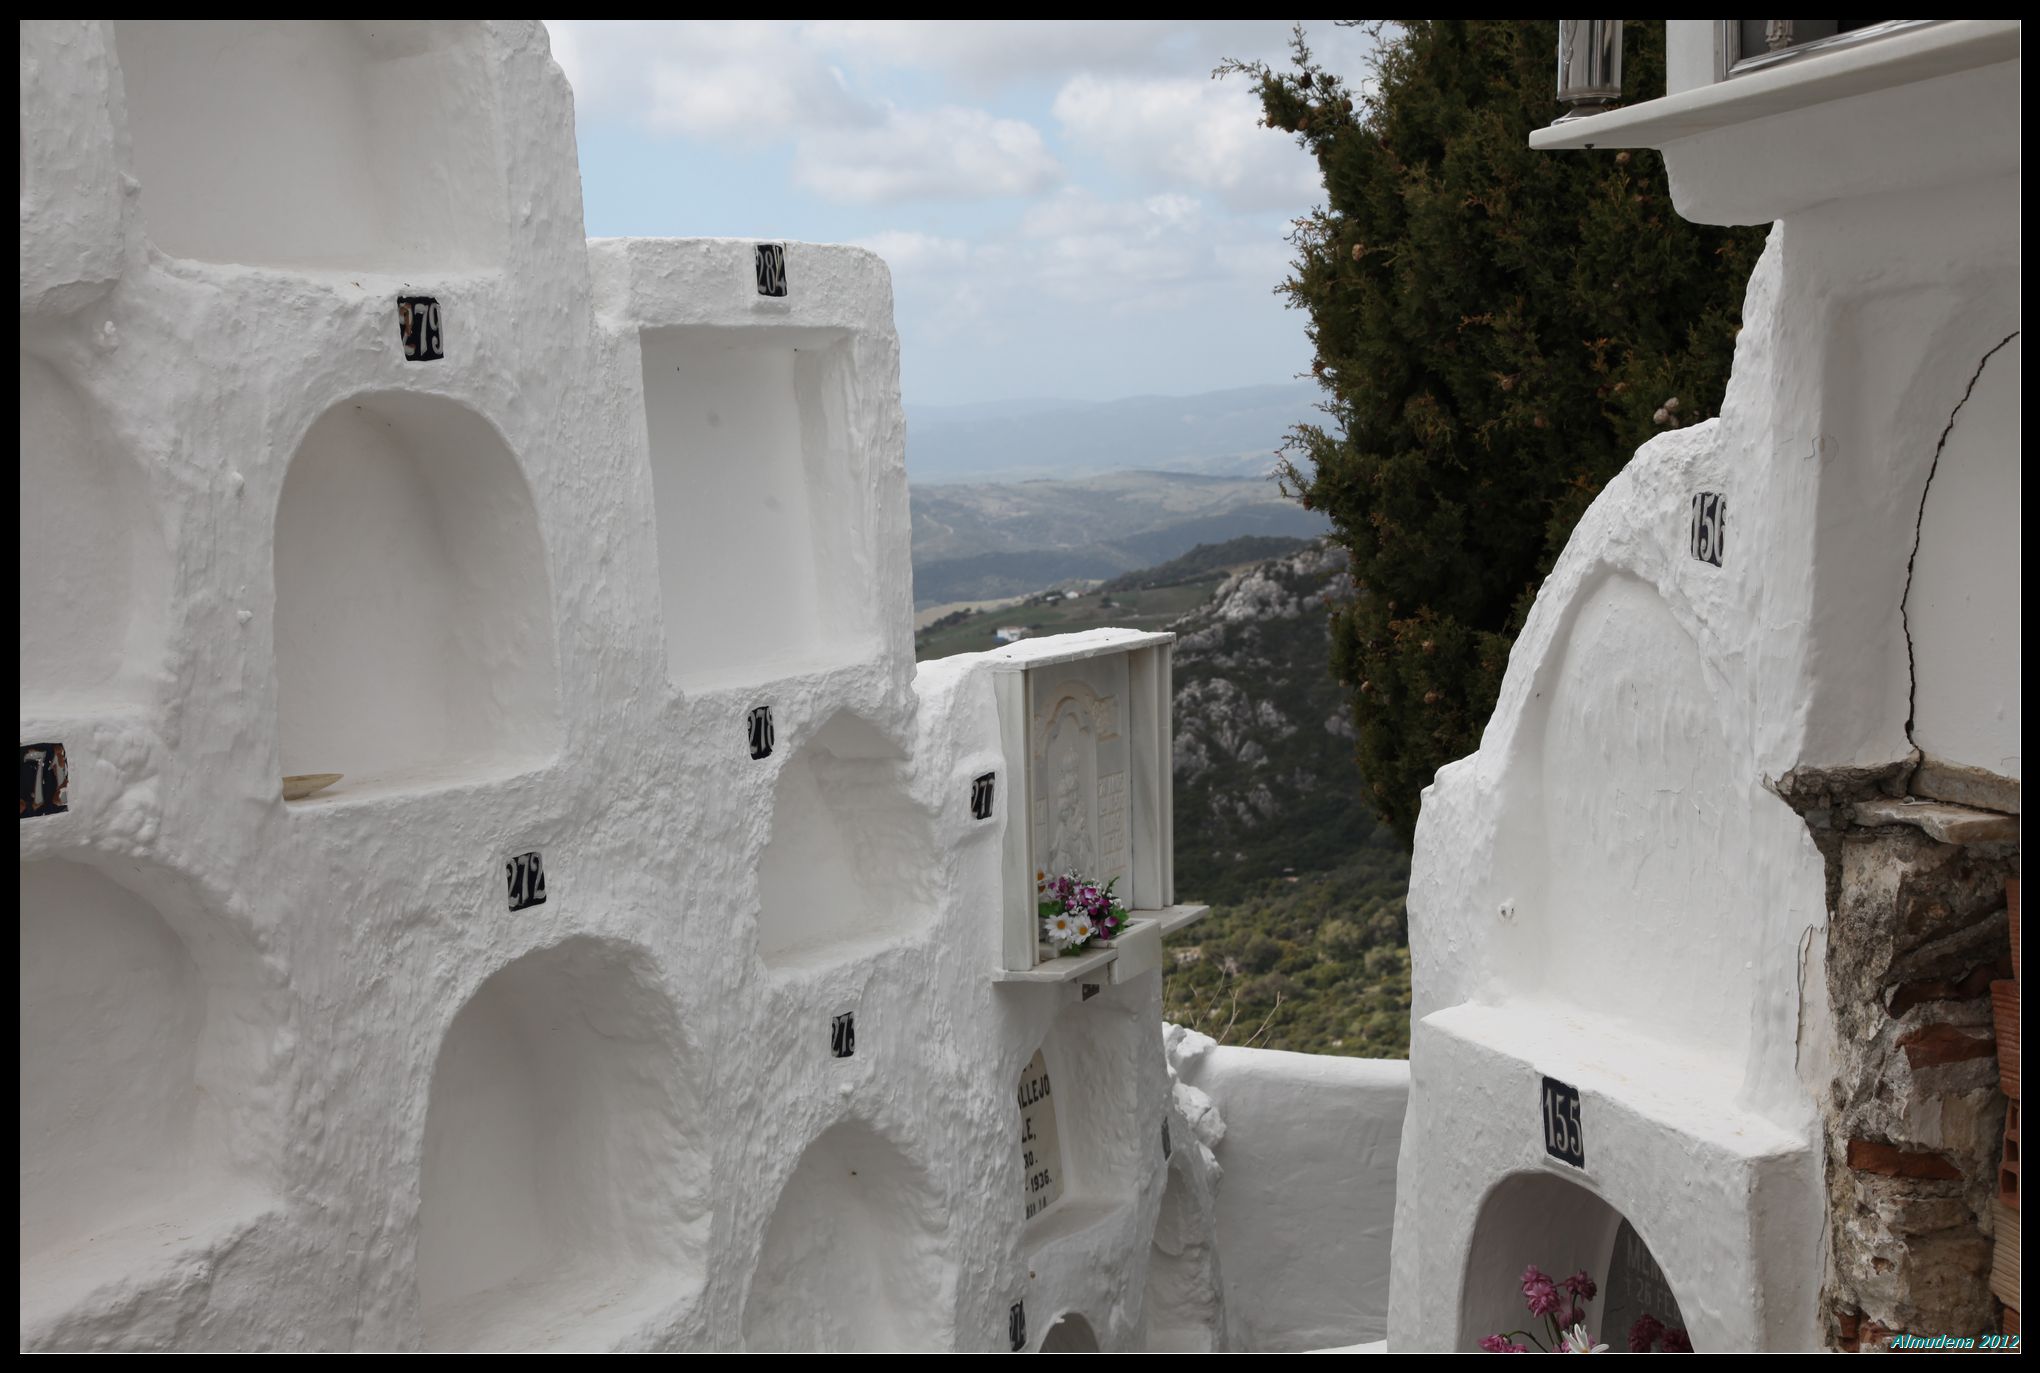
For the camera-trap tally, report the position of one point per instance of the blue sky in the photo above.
(1069, 209)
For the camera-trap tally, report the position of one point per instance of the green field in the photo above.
(1154, 608)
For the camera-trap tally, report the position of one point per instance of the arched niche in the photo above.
(1962, 610)
(92, 562)
(1182, 1298)
(1070, 1333)
(847, 867)
(147, 1120)
(1625, 826)
(1562, 1228)
(562, 1199)
(762, 526)
(1090, 1064)
(414, 628)
(364, 145)
(855, 1258)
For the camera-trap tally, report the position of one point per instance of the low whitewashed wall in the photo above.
(1307, 1200)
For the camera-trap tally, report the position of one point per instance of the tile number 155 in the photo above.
(1564, 1139)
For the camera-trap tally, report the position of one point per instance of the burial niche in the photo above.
(760, 523)
(1562, 1228)
(414, 631)
(88, 556)
(1075, 1120)
(144, 1034)
(854, 1259)
(563, 1196)
(1070, 1333)
(846, 868)
(365, 145)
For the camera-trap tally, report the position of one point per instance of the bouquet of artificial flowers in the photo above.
(1075, 912)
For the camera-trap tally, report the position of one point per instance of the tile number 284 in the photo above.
(1564, 1139)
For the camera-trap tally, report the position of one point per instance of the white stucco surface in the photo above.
(295, 1075)
(1308, 1200)
(1609, 894)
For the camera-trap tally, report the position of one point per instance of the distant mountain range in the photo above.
(981, 540)
(1222, 433)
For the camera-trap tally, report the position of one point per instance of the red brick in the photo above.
(1930, 1046)
(1869, 1156)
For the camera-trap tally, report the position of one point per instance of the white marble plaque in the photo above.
(1079, 774)
(1040, 1146)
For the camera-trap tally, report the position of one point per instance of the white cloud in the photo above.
(950, 153)
(737, 80)
(1191, 132)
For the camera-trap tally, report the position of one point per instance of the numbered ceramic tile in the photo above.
(527, 880)
(760, 730)
(1167, 1147)
(843, 1035)
(1040, 1142)
(981, 796)
(1710, 515)
(1564, 1139)
(45, 780)
(418, 326)
(1016, 1326)
(771, 266)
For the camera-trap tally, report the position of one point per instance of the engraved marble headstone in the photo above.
(1080, 755)
(1040, 1144)
(1636, 1288)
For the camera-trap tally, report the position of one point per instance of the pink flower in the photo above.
(1540, 1294)
(1645, 1333)
(1502, 1344)
(1572, 1316)
(1581, 1286)
(1678, 1341)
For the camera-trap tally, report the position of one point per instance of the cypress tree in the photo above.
(1496, 330)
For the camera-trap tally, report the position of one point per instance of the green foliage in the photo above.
(1497, 330)
(1316, 964)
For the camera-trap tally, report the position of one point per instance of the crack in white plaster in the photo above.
(1912, 674)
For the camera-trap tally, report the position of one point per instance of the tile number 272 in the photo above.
(1564, 1139)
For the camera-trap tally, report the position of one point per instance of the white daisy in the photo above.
(1059, 930)
(1580, 1342)
(1082, 926)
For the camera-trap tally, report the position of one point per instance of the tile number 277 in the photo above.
(1564, 1139)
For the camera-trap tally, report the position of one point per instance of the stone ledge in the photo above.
(1948, 824)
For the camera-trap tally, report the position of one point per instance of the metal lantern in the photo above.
(1589, 65)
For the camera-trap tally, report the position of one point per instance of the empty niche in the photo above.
(846, 867)
(1070, 1333)
(1562, 1228)
(759, 514)
(1093, 1060)
(1182, 1301)
(368, 145)
(562, 1202)
(855, 1258)
(145, 1120)
(89, 556)
(1630, 807)
(414, 638)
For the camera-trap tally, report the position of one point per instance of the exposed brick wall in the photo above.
(1915, 1117)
